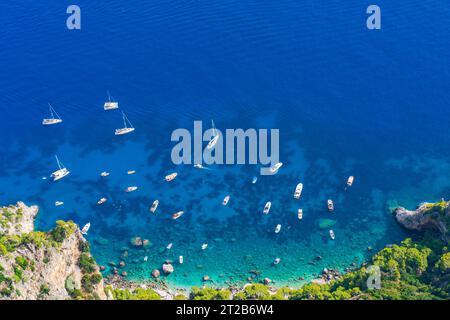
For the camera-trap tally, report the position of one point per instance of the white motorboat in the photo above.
(54, 117)
(215, 137)
(110, 104)
(104, 174)
(171, 176)
(278, 228)
(61, 172)
(225, 200)
(177, 215)
(180, 259)
(127, 126)
(267, 207)
(332, 236)
(86, 228)
(102, 201)
(254, 179)
(58, 203)
(204, 246)
(131, 171)
(131, 189)
(276, 167)
(350, 181)
(154, 206)
(300, 214)
(330, 205)
(298, 191)
(169, 246)
(276, 261)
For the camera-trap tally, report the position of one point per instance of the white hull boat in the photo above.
(226, 200)
(61, 172)
(127, 126)
(86, 228)
(298, 191)
(300, 214)
(278, 228)
(110, 104)
(276, 167)
(214, 139)
(154, 206)
(267, 207)
(54, 117)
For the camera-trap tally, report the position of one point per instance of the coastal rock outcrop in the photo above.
(52, 265)
(427, 216)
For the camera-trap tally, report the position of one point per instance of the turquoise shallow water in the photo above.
(347, 102)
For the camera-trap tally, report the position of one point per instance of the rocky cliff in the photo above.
(44, 265)
(427, 216)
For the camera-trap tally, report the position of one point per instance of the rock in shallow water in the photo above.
(167, 268)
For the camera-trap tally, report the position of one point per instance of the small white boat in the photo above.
(154, 206)
(54, 117)
(180, 259)
(131, 171)
(110, 104)
(214, 139)
(350, 181)
(276, 261)
(225, 200)
(332, 236)
(170, 177)
(275, 167)
(278, 228)
(330, 205)
(267, 207)
(300, 214)
(204, 246)
(86, 228)
(199, 166)
(104, 174)
(58, 203)
(298, 191)
(254, 179)
(145, 258)
(44, 178)
(177, 215)
(126, 129)
(61, 172)
(131, 189)
(102, 201)
(169, 246)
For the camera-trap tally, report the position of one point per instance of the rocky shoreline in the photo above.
(57, 264)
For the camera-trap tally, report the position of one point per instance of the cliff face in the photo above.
(431, 216)
(44, 265)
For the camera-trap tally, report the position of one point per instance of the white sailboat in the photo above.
(154, 206)
(110, 104)
(61, 172)
(215, 137)
(54, 117)
(125, 128)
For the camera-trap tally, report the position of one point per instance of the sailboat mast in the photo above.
(53, 112)
(57, 161)
(124, 122)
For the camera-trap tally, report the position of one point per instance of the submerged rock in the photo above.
(326, 223)
(155, 273)
(167, 268)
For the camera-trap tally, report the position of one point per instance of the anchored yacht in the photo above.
(61, 172)
(127, 126)
(54, 117)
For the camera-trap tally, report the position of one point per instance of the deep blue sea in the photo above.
(347, 101)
